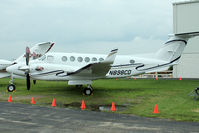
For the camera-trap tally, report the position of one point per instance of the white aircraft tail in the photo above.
(173, 48)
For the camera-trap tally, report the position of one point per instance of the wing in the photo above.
(37, 51)
(4, 64)
(4, 74)
(99, 69)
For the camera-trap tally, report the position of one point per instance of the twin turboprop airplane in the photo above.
(82, 69)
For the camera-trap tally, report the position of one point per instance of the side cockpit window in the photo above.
(50, 58)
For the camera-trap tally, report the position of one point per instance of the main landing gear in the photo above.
(88, 91)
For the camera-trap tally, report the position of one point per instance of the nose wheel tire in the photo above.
(11, 88)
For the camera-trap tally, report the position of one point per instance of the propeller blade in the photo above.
(28, 81)
(27, 55)
(27, 70)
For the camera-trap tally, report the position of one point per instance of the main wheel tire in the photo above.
(11, 88)
(197, 91)
(88, 91)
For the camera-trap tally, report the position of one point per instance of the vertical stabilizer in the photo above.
(174, 47)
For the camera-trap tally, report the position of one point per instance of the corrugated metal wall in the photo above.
(186, 19)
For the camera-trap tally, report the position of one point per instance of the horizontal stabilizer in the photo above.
(187, 35)
(161, 69)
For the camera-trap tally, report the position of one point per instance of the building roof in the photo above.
(186, 2)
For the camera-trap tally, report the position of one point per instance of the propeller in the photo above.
(28, 81)
(27, 55)
(27, 72)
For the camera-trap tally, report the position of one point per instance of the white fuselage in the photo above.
(55, 66)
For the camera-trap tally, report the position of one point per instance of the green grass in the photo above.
(139, 96)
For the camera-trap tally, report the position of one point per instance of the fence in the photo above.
(164, 74)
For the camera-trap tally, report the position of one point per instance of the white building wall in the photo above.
(186, 19)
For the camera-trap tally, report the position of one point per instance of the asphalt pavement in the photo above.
(26, 118)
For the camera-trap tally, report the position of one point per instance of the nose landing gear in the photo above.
(11, 87)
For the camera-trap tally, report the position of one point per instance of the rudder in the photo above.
(174, 47)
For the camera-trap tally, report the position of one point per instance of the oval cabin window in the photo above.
(80, 59)
(132, 61)
(101, 59)
(64, 58)
(72, 58)
(94, 59)
(87, 59)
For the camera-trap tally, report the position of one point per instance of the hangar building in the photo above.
(186, 19)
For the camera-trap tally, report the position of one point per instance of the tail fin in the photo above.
(174, 47)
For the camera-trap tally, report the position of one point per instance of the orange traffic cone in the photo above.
(33, 100)
(53, 103)
(156, 77)
(83, 106)
(180, 78)
(113, 107)
(155, 111)
(10, 99)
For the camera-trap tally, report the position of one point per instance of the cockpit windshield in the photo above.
(42, 58)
